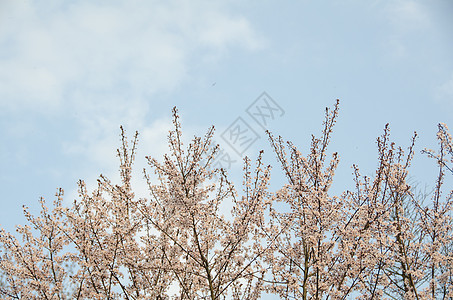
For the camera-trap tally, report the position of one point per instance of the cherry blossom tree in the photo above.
(379, 240)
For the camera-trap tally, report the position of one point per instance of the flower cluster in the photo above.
(379, 240)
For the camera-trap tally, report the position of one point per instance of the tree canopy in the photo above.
(380, 240)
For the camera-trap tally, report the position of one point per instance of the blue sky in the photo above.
(72, 72)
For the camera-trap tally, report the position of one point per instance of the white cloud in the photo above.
(408, 14)
(100, 64)
(142, 46)
(408, 19)
(221, 31)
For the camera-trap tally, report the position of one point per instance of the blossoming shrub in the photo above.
(376, 241)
